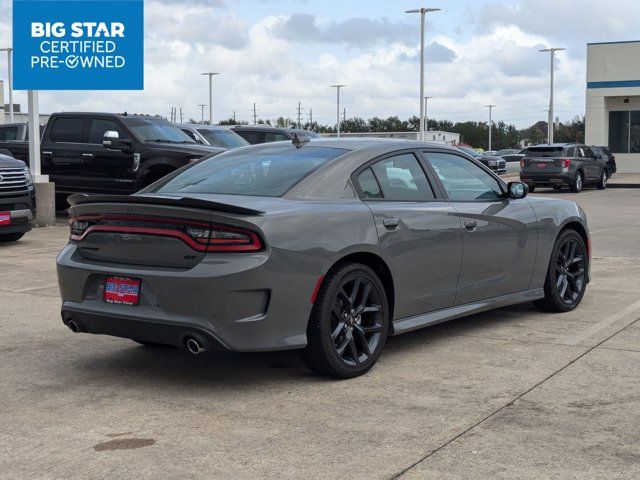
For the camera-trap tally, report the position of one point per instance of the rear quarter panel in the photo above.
(552, 215)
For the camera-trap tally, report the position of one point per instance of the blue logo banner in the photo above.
(78, 44)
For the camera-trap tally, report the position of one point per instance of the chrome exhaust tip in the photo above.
(194, 346)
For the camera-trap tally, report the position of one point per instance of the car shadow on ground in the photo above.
(176, 368)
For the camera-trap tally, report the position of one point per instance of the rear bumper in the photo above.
(547, 179)
(240, 302)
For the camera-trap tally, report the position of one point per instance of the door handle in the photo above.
(471, 226)
(391, 223)
(87, 155)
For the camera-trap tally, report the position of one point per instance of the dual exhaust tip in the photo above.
(193, 344)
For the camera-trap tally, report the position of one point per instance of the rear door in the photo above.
(499, 235)
(106, 170)
(62, 152)
(590, 163)
(419, 233)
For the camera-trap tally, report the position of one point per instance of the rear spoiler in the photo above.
(186, 202)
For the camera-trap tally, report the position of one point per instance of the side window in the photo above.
(250, 136)
(401, 178)
(190, 134)
(68, 129)
(100, 126)
(274, 137)
(369, 185)
(463, 180)
(570, 151)
(8, 133)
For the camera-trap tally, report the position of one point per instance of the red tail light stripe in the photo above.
(201, 245)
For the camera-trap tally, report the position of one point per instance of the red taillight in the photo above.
(200, 236)
(562, 162)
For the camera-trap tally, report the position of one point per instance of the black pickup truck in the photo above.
(17, 199)
(109, 153)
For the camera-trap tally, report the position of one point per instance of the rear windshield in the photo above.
(265, 171)
(545, 152)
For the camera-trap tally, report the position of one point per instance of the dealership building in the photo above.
(613, 101)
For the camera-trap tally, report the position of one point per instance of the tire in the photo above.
(602, 183)
(566, 278)
(341, 342)
(578, 182)
(11, 237)
(532, 188)
(609, 171)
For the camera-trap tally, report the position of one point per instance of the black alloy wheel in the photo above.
(349, 323)
(356, 321)
(567, 274)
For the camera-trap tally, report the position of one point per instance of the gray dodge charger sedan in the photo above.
(327, 246)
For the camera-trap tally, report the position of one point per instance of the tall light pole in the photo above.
(10, 78)
(550, 122)
(426, 118)
(210, 75)
(338, 87)
(490, 107)
(422, 12)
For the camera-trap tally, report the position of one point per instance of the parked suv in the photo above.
(495, 163)
(213, 135)
(110, 153)
(562, 164)
(17, 199)
(265, 134)
(607, 157)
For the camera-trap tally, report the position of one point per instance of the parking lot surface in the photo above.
(513, 393)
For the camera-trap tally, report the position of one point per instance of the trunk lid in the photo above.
(545, 160)
(152, 230)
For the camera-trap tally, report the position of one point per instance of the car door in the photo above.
(590, 161)
(62, 153)
(420, 235)
(499, 235)
(105, 169)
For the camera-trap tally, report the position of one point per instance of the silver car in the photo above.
(327, 246)
(213, 135)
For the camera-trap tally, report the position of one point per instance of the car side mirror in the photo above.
(518, 190)
(111, 140)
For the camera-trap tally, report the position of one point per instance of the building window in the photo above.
(624, 132)
(634, 132)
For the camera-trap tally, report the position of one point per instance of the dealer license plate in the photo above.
(122, 290)
(5, 218)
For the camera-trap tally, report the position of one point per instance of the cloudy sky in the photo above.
(277, 53)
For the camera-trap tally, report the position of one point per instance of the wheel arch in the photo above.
(155, 172)
(380, 267)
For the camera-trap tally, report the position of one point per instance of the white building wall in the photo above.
(613, 84)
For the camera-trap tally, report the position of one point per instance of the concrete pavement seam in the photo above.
(495, 412)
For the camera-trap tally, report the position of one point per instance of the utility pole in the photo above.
(255, 114)
(10, 79)
(311, 118)
(234, 118)
(202, 105)
(490, 107)
(338, 87)
(552, 51)
(422, 12)
(181, 121)
(299, 115)
(426, 119)
(210, 75)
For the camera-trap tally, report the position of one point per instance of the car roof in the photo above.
(200, 126)
(267, 128)
(555, 145)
